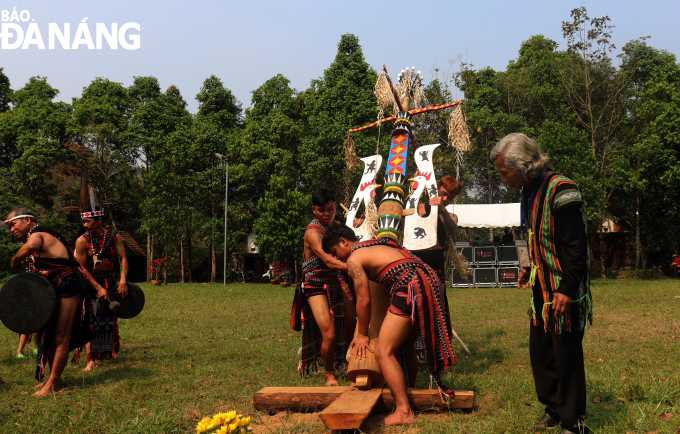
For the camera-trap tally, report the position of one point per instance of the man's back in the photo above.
(374, 259)
(45, 245)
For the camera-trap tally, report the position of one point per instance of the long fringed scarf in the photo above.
(554, 192)
(428, 303)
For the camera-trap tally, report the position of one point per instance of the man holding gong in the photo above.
(46, 253)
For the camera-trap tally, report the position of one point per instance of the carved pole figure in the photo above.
(421, 232)
(365, 192)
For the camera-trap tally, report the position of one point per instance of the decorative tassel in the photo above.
(459, 136)
(349, 148)
(455, 260)
(371, 221)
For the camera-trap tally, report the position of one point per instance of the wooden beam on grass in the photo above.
(311, 399)
(351, 408)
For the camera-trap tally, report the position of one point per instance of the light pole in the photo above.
(226, 197)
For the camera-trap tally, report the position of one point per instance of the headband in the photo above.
(91, 214)
(17, 217)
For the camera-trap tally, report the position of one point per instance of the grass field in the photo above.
(203, 348)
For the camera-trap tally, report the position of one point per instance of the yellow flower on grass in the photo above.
(204, 425)
(233, 427)
(245, 421)
(223, 430)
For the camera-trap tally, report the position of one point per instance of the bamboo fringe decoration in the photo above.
(384, 97)
(454, 261)
(407, 90)
(383, 94)
(351, 158)
(459, 136)
(371, 219)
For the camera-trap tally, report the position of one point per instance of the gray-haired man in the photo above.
(561, 306)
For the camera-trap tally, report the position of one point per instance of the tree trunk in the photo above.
(191, 267)
(603, 254)
(165, 270)
(181, 259)
(213, 263)
(149, 257)
(637, 233)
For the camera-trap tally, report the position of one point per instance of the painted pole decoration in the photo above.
(420, 233)
(392, 203)
(365, 193)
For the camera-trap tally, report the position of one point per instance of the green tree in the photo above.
(489, 119)
(101, 116)
(596, 94)
(39, 127)
(268, 170)
(213, 127)
(645, 167)
(281, 224)
(5, 92)
(341, 99)
(159, 133)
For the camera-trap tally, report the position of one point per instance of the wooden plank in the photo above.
(300, 399)
(423, 399)
(351, 409)
(310, 399)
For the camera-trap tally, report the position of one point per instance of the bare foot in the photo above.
(40, 385)
(49, 388)
(399, 418)
(330, 379)
(90, 366)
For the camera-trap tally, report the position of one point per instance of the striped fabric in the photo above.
(316, 274)
(555, 192)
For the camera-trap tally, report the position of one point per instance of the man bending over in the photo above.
(417, 303)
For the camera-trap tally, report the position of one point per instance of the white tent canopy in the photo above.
(496, 215)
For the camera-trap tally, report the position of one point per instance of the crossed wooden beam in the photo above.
(347, 407)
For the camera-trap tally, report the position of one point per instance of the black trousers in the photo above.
(559, 374)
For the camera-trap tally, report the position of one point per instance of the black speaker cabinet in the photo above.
(458, 282)
(467, 254)
(485, 255)
(507, 277)
(507, 255)
(485, 277)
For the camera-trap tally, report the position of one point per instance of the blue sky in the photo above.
(245, 43)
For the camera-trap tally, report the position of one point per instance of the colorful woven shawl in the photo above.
(555, 192)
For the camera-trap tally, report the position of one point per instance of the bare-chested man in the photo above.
(50, 256)
(322, 302)
(96, 252)
(417, 303)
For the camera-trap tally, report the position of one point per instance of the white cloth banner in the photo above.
(496, 215)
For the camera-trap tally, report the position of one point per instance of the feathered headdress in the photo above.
(89, 194)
